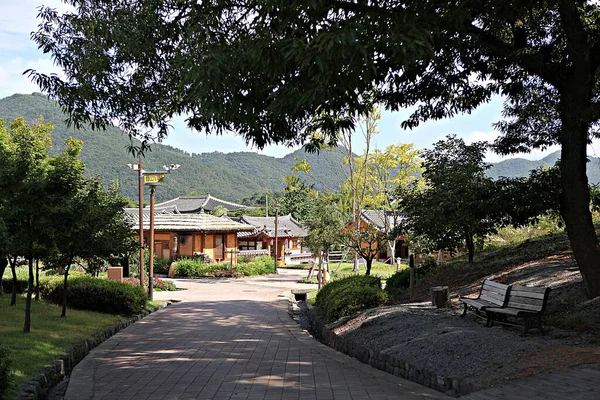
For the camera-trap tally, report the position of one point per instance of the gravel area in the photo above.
(439, 340)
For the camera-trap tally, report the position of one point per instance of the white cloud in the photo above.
(19, 18)
(13, 80)
(491, 157)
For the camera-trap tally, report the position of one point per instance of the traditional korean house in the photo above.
(198, 204)
(384, 221)
(188, 235)
(261, 240)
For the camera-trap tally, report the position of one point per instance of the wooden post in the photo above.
(320, 274)
(411, 265)
(440, 296)
(141, 216)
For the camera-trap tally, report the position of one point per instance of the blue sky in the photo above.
(18, 53)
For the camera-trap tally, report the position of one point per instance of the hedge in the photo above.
(346, 296)
(257, 266)
(21, 285)
(161, 265)
(398, 283)
(191, 268)
(96, 294)
(5, 371)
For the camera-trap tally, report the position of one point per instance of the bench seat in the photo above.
(526, 303)
(492, 294)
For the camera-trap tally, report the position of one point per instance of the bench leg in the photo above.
(540, 327)
(464, 311)
(490, 319)
(526, 326)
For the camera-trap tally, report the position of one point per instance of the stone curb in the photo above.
(40, 386)
(390, 363)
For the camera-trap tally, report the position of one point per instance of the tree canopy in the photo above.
(454, 207)
(280, 71)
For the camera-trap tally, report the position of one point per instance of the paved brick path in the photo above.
(228, 340)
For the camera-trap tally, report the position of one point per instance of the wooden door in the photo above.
(219, 247)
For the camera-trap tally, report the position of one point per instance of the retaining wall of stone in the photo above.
(391, 363)
(39, 386)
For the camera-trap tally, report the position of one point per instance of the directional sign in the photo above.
(153, 178)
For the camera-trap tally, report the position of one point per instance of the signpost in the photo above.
(153, 179)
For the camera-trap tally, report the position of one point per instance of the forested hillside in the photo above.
(232, 176)
(520, 167)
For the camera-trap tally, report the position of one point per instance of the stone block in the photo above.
(115, 273)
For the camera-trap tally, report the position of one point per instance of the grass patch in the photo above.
(507, 255)
(345, 269)
(154, 304)
(50, 335)
(311, 297)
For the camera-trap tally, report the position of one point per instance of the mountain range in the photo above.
(230, 176)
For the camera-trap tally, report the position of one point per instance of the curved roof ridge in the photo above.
(166, 202)
(225, 201)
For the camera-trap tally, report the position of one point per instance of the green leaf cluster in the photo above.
(195, 268)
(257, 266)
(346, 296)
(94, 294)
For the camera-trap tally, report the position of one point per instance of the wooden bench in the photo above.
(492, 294)
(526, 303)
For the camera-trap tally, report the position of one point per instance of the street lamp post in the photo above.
(153, 179)
(276, 221)
(138, 167)
(151, 261)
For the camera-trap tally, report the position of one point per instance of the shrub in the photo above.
(400, 281)
(396, 284)
(95, 294)
(346, 296)
(164, 286)
(258, 266)
(21, 285)
(192, 268)
(5, 371)
(161, 265)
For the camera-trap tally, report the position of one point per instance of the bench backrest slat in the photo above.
(528, 299)
(493, 292)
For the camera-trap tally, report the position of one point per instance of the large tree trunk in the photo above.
(369, 262)
(576, 197)
(3, 265)
(27, 325)
(63, 314)
(37, 280)
(470, 245)
(13, 269)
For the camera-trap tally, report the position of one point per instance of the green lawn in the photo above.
(50, 335)
(342, 270)
(378, 269)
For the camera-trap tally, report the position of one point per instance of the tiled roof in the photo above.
(197, 204)
(379, 218)
(192, 222)
(133, 213)
(286, 226)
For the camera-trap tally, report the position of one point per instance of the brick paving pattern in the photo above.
(228, 340)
